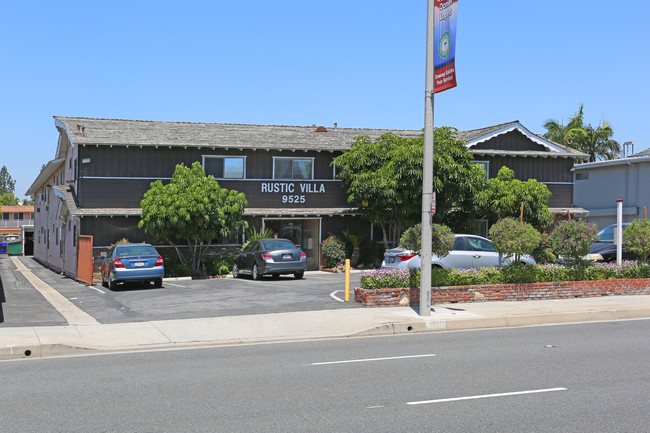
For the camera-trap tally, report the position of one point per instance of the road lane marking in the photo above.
(175, 285)
(72, 314)
(336, 297)
(474, 397)
(373, 359)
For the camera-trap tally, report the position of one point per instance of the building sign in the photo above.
(293, 192)
(444, 64)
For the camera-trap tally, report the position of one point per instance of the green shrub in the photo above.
(513, 237)
(333, 251)
(573, 238)
(442, 239)
(637, 237)
(218, 265)
(174, 267)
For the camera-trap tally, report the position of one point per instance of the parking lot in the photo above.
(22, 305)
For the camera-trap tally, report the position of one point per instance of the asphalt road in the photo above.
(22, 305)
(570, 378)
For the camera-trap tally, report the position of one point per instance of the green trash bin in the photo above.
(15, 249)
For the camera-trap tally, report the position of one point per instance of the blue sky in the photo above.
(358, 63)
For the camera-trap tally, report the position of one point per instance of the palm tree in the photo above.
(598, 143)
(568, 135)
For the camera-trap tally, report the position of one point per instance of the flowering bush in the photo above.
(333, 251)
(573, 238)
(512, 237)
(637, 237)
(513, 273)
(442, 239)
(387, 279)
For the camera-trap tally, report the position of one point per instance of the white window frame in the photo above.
(223, 157)
(293, 158)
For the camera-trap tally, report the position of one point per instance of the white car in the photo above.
(469, 251)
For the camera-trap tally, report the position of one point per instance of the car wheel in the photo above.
(298, 275)
(235, 271)
(157, 283)
(255, 272)
(111, 284)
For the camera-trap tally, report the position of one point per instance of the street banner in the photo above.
(444, 63)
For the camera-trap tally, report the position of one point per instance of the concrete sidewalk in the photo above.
(48, 341)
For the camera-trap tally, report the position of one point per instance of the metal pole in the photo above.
(427, 171)
(619, 231)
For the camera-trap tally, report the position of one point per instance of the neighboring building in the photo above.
(17, 228)
(102, 168)
(530, 156)
(599, 184)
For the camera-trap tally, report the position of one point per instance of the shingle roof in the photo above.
(643, 153)
(121, 132)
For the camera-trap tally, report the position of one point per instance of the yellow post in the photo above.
(347, 280)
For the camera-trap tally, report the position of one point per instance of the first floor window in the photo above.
(225, 167)
(293, 168)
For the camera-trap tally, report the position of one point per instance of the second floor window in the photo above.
(225, 167)
(293, 168)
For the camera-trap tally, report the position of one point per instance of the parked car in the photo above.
(132, 263)
(605, 249)
(469, 251)
(270, 256)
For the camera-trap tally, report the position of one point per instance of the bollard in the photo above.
(347, 280)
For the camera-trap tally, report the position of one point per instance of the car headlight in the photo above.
(593, 257)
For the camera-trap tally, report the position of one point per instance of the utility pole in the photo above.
(427, 169)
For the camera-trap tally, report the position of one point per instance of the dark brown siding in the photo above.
(561, 195)
(106, 230)
(513, 140)
(542, 169)
(106, 161)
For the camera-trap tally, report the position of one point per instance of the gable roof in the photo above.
(120, 132)
(476, 136)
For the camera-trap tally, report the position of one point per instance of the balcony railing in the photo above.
(14, 224)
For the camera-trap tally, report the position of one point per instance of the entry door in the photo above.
(303, 233)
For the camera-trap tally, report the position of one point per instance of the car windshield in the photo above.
(608, 234)
(135, 250)
(277, 245)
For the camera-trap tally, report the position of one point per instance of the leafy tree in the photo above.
(8, 199)
(192, 208)
(512, 237)
(598, 143)
(568, 134)
(28, 202)
(7, 184)
(442, 239)
(637, 238)
(504, 194)
(384, 179)
(573, 238)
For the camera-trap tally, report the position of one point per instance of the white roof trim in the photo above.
(45, 174)
(518, 126)
(61, 125)
(620, 161)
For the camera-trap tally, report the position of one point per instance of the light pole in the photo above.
(427, 170)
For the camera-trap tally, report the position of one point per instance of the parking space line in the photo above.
(174, 285)
(336, 297)
(99, 290)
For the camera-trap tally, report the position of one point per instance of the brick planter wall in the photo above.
(504, 292)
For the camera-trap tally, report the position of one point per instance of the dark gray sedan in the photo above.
(270, 257)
